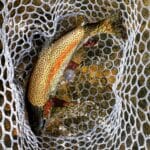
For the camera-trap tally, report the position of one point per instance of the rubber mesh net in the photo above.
(112, 82)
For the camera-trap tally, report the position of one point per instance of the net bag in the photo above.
(113, 80)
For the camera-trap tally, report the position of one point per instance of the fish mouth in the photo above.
(36, 118)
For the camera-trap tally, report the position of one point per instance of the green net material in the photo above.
(116, 113)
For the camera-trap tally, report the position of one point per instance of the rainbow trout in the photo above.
(50, 67)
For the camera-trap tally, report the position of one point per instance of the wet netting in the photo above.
(111, 83)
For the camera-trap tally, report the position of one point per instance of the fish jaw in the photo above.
(36, 119)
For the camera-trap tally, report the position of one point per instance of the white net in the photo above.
(112, 82)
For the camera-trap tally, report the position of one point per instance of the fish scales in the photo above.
(51, 65)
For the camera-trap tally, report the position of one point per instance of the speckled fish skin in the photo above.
(53, 61)
(51, 65)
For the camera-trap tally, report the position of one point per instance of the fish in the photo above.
(49, 69)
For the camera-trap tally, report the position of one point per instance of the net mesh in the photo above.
(112, 82)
